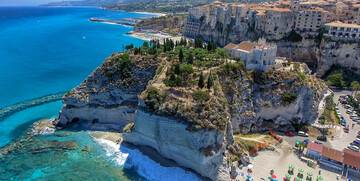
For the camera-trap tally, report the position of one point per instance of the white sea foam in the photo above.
(144, 166)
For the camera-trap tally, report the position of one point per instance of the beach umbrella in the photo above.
(250, 166)
(301, 170)
(287, 176)
(273, 176)
(298, 179)
(248, 176)
(319, 177)
(270, 178)
(309, 174)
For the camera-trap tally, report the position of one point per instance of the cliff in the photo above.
(318, 53)
(274, 100)
(190, 106)
(323, 55)
(166, 24)
(109, 95)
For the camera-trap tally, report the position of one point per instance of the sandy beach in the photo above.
(110, 136)
(153, 36)
(150, 13)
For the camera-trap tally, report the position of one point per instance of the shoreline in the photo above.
(149, 13)
(152, 36)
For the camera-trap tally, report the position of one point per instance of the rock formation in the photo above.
(192, 126)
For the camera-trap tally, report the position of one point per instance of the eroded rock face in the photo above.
(107, 96)
(324, 55)
(201, 151)
(257, 105)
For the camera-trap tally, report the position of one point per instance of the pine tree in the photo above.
(210, 81)
(201, 83)
(177, 69)
(181, 55)
(190, 58)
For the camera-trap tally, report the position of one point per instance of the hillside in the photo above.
(187, 99)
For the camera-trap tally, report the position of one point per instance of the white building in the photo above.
(258, 55)
(338, 30)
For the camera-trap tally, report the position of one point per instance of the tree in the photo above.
(128, 47)
(336, 80)
(210, 81)
(201, 83)
(146, 44)
(132, 45)
(190, 58)
(198, 43)
(181, 55)
(177, 69)
(355, 86)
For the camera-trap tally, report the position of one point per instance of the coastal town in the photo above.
(239, 91)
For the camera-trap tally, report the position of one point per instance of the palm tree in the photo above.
(355, 86)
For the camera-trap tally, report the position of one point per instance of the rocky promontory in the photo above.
(186, 101)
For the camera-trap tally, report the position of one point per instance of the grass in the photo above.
(246, 144)
(249, 135)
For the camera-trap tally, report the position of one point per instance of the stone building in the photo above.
(259, 55)
(279, 22)
(311, 20)
(342, 31)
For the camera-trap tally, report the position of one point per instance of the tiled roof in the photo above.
(246, 46)
(341, 24)
(280, 9)
(332, 154)
(352, 158)
(230, 46)
(315, 147)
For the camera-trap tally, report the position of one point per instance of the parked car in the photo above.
(289, 133)
(353, 148)
(316, 142)
(302, 133)
(306, 141)
(358, 136)
(349, 111)
(322, 138)
(343, 123)
(356, 142)
(359, 133)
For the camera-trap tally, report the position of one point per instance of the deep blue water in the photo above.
(43, 51)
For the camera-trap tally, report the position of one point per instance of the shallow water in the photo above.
(44, 51)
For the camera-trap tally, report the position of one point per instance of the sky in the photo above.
(24, 2)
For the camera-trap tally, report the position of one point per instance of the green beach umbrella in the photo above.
(298, 179)
(309, 174)
(291, 167)
(319, 177)
(301, 170)
(288, 176)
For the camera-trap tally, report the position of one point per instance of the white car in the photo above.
(302, 133)
(353, 148)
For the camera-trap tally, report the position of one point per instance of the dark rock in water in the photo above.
(64, 134)
(85, 148)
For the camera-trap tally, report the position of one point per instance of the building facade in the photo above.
(338, 30)
(259, 55)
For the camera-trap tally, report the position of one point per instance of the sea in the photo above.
(47, 51)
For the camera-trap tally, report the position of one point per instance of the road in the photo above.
(344, 139)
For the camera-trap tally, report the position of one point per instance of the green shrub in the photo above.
(128, 127)
(289, 98)
(301, 75)
(201, 96)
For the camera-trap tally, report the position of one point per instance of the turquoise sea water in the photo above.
(44, 51)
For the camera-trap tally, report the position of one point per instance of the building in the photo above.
(332, 158)
(311, 20)
(258, 55)
(191, 28)
(314, 150)
(279, 22)
(338, 30)
(351, 163)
